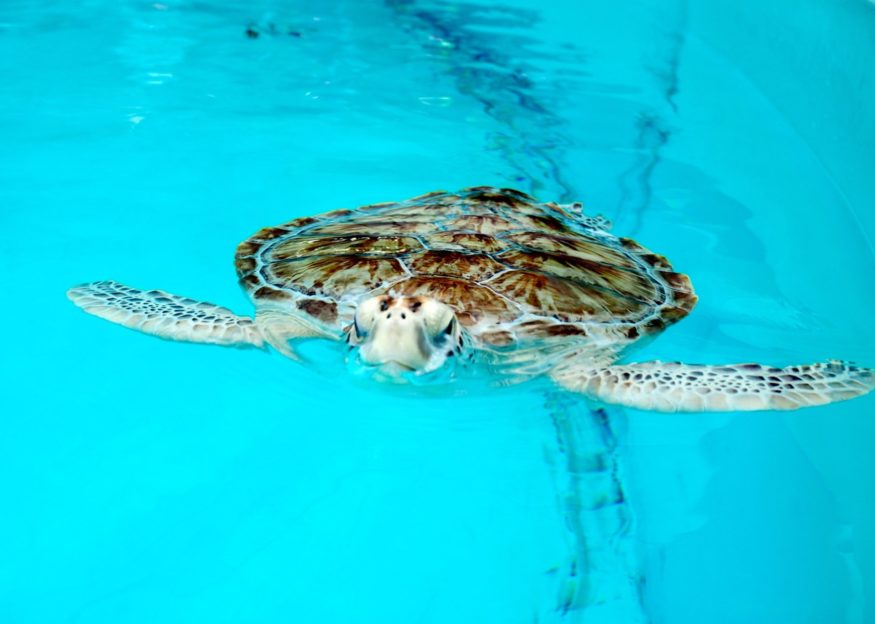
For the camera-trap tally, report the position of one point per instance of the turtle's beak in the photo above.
(397, 338)
(405, 334)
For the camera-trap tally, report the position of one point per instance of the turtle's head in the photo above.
(405, 333)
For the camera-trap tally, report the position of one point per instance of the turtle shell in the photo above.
(512, 268)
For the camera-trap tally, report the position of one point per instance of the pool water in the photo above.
(146, 481)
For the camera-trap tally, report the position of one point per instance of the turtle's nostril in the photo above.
(388, 316)
(403, 316)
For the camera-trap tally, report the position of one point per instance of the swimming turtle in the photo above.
(528, 287)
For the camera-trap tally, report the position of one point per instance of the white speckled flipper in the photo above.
(675, 387)
(167, 316)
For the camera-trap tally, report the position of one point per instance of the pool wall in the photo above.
(813, 59)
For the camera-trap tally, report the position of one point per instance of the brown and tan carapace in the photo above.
(537, 287)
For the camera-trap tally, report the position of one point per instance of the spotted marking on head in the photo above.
(472, 302)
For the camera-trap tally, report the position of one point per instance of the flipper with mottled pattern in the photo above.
(167, 316)
(676, 387)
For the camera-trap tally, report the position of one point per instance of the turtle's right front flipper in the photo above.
(167, 316)
(677, 387)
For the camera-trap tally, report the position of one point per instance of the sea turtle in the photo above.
(491, 274)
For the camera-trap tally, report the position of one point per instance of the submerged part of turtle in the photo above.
(525, 287)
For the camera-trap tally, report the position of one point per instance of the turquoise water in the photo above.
(146, 481)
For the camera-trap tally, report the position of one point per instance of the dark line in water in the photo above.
(503, 89)
(585, 441)
(678, 39)
(592, 495)
(636, 185)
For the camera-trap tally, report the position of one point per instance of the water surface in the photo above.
(148, 481)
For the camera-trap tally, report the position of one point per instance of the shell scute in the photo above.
(421, 212)
(581, 247)
(541, 328)
(249, 247)
(542, 223)
(504, 197)
(463, 241)
(633, 245)
(678, 281)
(245, 265)
(498, 338)
(538, 293)
(303, 246)
(474, 267)
(378, 206)
(626, 283)
(656, 261)
(376, 226)
(675, 313)
(270, 233)
(428, 196)
(251, 283)
(335, 276)
(273, 294)
(334, 214)
(484, 224)
(297, 223)
(321, 309)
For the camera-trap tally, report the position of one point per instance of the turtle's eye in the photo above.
(450, 327)
(384, 305)
(414, 307)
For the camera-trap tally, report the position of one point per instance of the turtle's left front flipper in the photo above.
(676, 387)
(165, 315)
